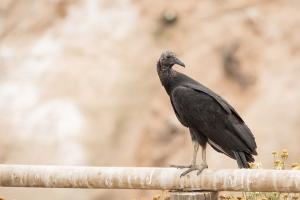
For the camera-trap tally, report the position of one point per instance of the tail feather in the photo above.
(243, 159)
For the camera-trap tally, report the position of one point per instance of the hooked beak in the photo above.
(179, 62)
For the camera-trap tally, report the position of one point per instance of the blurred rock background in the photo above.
(78, 82)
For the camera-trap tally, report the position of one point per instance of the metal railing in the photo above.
(258, 180)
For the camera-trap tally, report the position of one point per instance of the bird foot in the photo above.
(198, 168)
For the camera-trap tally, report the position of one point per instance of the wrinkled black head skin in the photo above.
(164, 69)
(167, 60)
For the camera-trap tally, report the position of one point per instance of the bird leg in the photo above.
(196, 147)
(194, 166)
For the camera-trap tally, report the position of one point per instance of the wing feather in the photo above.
(202, 110)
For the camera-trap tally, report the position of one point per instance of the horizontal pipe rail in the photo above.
(258, 180)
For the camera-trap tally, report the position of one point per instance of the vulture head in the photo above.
(167, 60)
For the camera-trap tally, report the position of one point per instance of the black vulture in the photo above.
(208, 116)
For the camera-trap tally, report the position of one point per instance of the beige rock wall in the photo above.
(78, 83)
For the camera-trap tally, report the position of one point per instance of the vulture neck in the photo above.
(166, 76)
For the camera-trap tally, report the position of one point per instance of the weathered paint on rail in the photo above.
(148, 178)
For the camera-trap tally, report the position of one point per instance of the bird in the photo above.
(209, 118)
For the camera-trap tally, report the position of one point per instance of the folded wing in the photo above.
(199, 108)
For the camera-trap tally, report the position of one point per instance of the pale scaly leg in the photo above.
(195, 167)
(196, 147)
(203, 165)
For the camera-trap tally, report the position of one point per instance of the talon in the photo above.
(187, 171)
(198, 168)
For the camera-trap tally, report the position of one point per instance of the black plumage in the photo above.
(208, 116)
